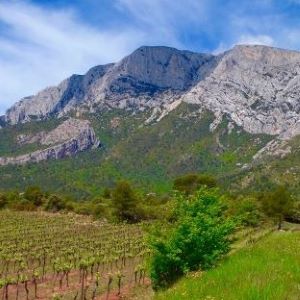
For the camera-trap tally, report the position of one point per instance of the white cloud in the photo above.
(256, 40)
(42, 47)
(164, 19)
(246, 39)
(222, 47)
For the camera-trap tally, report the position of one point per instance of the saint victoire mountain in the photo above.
(158, 113)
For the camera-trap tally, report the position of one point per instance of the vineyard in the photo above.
(56, 256)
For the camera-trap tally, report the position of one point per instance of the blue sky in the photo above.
(44, 41)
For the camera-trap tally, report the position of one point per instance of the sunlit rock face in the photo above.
(69, 138)
(146, 78)
(257, 87)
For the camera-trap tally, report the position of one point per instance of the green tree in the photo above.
(190, 183)
(247, 210)
(54, 203)
(124, 201)
(34, 195)
(197, 239)
(278, 204)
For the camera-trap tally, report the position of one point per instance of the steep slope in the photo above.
(257, 87)
(151, 156)
(146, 78)
(69, 138)
(161, 112)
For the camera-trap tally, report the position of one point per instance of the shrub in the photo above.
(247, 211)
(3, 201)
(54, 203)
(34, 195)
(190, 183)
(278, 204)
(197, 239)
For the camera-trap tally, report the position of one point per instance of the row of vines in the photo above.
(55, 256)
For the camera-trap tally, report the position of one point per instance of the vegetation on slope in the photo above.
(196, 238)
(266, 270)
(150, 156)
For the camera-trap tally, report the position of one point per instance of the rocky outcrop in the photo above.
(69, 138)
(258, 87)
(275, 148)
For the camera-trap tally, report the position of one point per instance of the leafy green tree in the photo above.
(197, 239)
(278, 204)
(34, 195)
(190, 183)
(54, 203)
(124, 201)
(247, 210)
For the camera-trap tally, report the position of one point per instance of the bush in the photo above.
(22, 205)
(190, 183)
(54, 203)
(278, 205)
(34, 195)
(247, 211)
(197, 239)
(3, 201)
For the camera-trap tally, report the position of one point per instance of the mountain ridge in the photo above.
(162, 112)
(155, 74)
(257, 86)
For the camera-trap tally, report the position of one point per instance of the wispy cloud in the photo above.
(167, 19)
(43, 42)
(256, 40)
(41, 47)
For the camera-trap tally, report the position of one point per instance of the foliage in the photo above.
(190, 183)
(247, 210)
(125, 202)
(3, 200)
(197, 239)
(34, 195)
(278, 204)
(54, 203)
(265, 270)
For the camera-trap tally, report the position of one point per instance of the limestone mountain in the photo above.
(160, 112)
(148, 77)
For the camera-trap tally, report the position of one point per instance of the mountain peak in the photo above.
(149, 71)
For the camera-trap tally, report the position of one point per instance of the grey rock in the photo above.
(255, 87)
(258, 87)
(69, 138)
(146, 78)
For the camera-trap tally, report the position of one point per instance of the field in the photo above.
(56, 256)
(266, 270)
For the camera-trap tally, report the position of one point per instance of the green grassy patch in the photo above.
(267, 270)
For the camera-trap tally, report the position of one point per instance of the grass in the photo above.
(267, 270)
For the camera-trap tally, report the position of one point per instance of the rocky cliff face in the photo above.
(146, 78)
(69, 138)
(256, 87)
